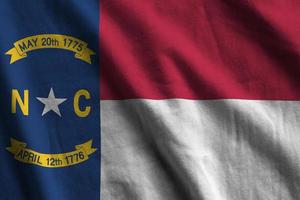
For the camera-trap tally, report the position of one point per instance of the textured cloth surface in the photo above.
(186, 149)
(200, 99)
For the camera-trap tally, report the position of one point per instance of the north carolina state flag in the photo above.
(200, 99)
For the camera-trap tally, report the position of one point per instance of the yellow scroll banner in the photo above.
(21, 47)
(29, 156)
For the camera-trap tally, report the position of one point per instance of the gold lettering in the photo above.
(23, 104)
(78, 111)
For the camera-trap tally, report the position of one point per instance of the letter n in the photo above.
(23, 104)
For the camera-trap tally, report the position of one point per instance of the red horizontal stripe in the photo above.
(198, 49)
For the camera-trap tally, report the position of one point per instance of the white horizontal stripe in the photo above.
(200, 150)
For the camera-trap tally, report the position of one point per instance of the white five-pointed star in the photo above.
(51, 103)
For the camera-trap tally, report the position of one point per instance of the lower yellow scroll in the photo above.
(29, 156)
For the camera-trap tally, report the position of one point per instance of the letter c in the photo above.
(78, 111)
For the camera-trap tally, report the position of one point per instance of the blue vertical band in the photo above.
(46, 130)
